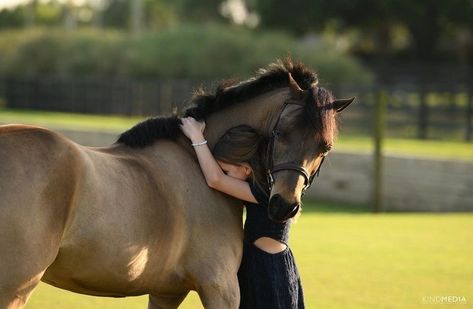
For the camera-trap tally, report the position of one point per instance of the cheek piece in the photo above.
(308, 179)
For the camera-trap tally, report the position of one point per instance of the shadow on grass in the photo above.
(332, 207)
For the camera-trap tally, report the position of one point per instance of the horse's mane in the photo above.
(228, 93)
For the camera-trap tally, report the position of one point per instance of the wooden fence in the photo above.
(425, 111)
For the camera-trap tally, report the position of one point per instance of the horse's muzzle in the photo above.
(280, 210)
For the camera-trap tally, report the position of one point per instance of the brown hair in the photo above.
(240, 144)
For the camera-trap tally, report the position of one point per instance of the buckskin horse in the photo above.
(137, 217)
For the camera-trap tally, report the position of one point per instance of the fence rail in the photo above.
(414, 110)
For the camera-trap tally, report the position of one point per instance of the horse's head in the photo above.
(299, 139)
(300, 125)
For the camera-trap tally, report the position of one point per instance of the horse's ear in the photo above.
(341, 104)
(296, 91)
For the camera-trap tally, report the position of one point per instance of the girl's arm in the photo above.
(214, 176)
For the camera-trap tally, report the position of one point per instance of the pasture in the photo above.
(349, 258)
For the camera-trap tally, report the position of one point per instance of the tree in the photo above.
(12, 18)
(116, 14)
(138, 15)
(199, 10)
(297, 16)
(427, 21)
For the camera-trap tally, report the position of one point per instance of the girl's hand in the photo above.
(193, 129)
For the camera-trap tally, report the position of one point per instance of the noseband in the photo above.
(271, 169)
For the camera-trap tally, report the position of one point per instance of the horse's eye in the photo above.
(326, 149)
(278, 134)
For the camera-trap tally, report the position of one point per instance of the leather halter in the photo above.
(271, 169)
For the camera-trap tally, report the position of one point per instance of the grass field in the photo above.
(353, 260)
(347, 142)
(73, 121)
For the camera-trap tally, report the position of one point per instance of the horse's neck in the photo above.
(259, 113)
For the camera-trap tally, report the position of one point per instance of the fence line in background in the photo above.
(403, 110)
(434, 110)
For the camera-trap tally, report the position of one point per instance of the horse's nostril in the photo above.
(294, 211)
(280, 211)
(274, 206)
(275, 198)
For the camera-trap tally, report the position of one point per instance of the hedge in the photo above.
(187, 51)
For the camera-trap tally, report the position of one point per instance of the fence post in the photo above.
(469, 116)
(3, 99)
(423, 114)
(165, 96)
(379, 121)
(137, 93)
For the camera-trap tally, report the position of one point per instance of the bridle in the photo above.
(271, 169)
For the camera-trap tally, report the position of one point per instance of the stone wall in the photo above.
(410, 184)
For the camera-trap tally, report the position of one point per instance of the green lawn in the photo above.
(436, 149)
(354, 260)
(347, 142)
(112, 123)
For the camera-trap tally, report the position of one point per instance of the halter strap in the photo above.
(289, 166)
(308, 179)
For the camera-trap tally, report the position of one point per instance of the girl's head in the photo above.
(237, 151)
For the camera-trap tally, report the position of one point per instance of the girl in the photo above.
(268, 276)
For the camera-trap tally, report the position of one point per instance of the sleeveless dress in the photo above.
(267, 280)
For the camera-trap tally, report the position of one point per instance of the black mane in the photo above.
(275, 76)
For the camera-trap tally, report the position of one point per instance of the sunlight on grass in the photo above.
(383, 261)
(408, 147)
(46, 296)
(112, 123)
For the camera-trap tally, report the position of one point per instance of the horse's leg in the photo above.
(29, 243)
(16, 296)
(28, 248)
(220, 293)
(37, 186)
(166, 302)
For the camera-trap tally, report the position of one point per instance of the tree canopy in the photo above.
(423, 30)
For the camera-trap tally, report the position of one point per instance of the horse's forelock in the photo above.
(320, 115)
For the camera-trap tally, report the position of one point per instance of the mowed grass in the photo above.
(75, 121)
(353, 260)
(352, 143)
(434, 149)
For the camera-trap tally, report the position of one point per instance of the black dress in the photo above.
(267, 280)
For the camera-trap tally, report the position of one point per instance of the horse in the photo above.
(137, 217)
